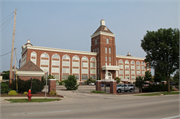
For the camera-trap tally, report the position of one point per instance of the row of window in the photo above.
(107, 41)
(132, 72)
(132, 62)
(132, 67)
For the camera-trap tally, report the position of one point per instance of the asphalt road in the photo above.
(81, 104)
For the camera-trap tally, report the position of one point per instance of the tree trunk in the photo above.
(168, 83)
(140, 90)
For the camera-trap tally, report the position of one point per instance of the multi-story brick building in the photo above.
(102, 62)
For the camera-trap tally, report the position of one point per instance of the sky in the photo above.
(70, 24)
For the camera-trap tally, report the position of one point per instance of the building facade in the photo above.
(101, 63)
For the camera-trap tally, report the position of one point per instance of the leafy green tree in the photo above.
(176, 78)
(5, 75)
(139, 83)
(51, 76)
(148, 76)
(71, 83)
(162, 49)
(90, 80)
(158, 77)
(117, 80)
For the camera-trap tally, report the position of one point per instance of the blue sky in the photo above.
(69, 24)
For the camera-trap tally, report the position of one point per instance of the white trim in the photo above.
(103, 33)
(60, 50)
(110, 67)
(30, 73)
(129, 57)
(53, 79)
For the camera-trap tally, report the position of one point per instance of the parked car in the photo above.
(125, 87)
(91, 84)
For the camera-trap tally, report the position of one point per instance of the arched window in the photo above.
(66, 56)
(84, 58)
(44, 62)
(142, 63)
(33, 57)
(132, 62)
(138, 62)
(126, 62)
(55, 56)
(75, 57)
(55, 67)
(107, 41)
(120, 61)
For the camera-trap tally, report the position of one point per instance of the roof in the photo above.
(30, 66)
(103, 28)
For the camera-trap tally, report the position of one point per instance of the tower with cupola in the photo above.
(103, 42)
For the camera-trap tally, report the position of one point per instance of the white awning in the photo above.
(110, 67)
(30, 73)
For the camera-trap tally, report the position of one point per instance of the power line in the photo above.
(6, 53)
(7, 23)
(7, 16)
(7, 20)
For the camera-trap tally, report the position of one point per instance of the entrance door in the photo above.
(109, 75)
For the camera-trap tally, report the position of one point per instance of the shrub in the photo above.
(155, 88)
(117, 80)
(90, 80)
(4, 87)
(71, 83)
(23, 86)
(94, 91)
(53, 93)
(61, 82)
(12, 92)
(25, 93)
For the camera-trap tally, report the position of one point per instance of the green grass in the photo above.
(157, 94)
(32, 100)
(97, 91)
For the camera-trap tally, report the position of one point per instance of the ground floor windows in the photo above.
(84, 77)
(65, 77)
(56, 76)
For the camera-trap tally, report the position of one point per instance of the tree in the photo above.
(139, 83)
(148, 76)
(51, 76)
(158, 77)
(117, 80)
(162, 49)
(71, 83)
(176, 78)
(5, 75)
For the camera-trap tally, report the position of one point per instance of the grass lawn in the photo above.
(97, 91)
(159, 93)
(32, 100)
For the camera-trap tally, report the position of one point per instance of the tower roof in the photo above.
(102, 29)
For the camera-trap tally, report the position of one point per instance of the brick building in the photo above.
(102, 62)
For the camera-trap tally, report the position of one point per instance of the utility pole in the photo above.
(10, 75)
(15, 72)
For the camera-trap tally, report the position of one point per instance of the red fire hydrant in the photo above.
(29, 95)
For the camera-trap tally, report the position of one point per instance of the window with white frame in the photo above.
(105, 58)
(109, 58)
(65, 63)
(126, 66)
(132, 62)
(84, 71)
(107, 41)
(93, 59)
(45, 55)
(33, 57)
(84, 64)
(55, 56)
(65, 70)
(95, 41)
(138, 62)
(126, 72)
(56, 76)
(93, 71)
(121, 66)
(138, 67)
(127, 77)
(138, 72)
(121, 72)
(121, 77)
(84, 77)
(133, 77)
(65, 77)
(143, 67)
(93, 77)
(44, 62)
(120, 61)
(55, 62)
(75, 58)
(55, 69)
(84, 58)
(66, 57)
(75, 64)
(132, 67)
(45, 69)
(77, 77)
(109, 50)
(105, 49)
(93, 64)
(143, 72)
(75, 70)
(132, 72)
(142, 63)
(126, 62)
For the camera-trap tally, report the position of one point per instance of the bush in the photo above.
(4, 87)
(156, 88)
(23, 86)
(117, 80)
(71, 83)
(61, 82)
(90, 80)
(94, 91)
(25, 93)
(12, 92)
(53, 93)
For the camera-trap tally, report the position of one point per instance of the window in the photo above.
(126, 62)
(107, 41)
(33, 57)
(66, 63)
(44, 62)
(132, 62)
(105, 49)
(45, 69)
(143, 72)
(126, 66)
(120, 71)
(55, 56)
(138, 73)
(132, 72)
(65, 77)
(121, 66)
(110, 64)
(75, 64)
(120, 61)
(66, 57)
(132, 67)
(93, 71)
(109, 58)
(109, 50)
(138, 62)
(142, 63)
(56, 76)
(126, 77)
(138, 67)
(84, 71)
(132, 77)
(65, 70)
(45, 55)
(55, 69)
(93, 77)
(95, 41)
(105, 58)
(84, 77)
(75, 70)
(98, 50)
(93, 64)
(143, 67)
(75, 58)
(121, 77)
(77, 77)
(84, 58)
(93, 59)
(126, 72)
(55, 62)
(84, 64)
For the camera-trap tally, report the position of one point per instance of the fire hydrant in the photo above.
(29, 95)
